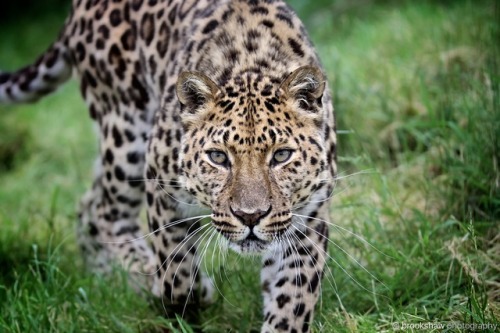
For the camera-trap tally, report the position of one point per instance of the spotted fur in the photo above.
(217, 104)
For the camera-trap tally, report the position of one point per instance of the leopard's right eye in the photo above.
(281, 156)
(218, 157)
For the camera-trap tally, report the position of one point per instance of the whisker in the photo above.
(214, 233)
(194, 270)
(346, 253)
(345, 230)
(342, 268)
(179, 246)
(319, 273)
(295, 260)
(159, 184)
(361, 172)
(172, 255)
(334, 182)
(163, 227)
(173, 183)
(215, 247)
(185, 241)
(224, 259)
(174, 198)
(334, 286)
(331, 195)
(341, 176)
(223, 266)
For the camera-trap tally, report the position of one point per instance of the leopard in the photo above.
(214, 106)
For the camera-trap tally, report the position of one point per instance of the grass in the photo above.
(416, 88)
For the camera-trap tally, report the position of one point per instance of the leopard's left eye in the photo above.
(281, 156)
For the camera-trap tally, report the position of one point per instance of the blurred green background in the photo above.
(417, 204)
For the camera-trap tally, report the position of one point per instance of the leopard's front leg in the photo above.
(291, 278)
(175, 237)
(176, 229)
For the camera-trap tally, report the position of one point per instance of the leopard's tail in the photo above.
(38, 79)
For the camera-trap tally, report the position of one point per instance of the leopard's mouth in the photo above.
(251, 243)
(251, 238)
(255, 239)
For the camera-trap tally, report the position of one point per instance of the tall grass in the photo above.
(416, 88)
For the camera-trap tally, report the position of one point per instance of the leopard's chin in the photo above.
(250, 245)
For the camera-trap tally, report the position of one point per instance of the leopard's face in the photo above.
(253, 160)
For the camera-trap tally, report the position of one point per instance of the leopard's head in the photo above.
(254, 157)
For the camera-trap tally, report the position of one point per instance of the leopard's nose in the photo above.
(250, 219)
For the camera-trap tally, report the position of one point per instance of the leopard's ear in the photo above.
(304, 87)
(195, 92)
